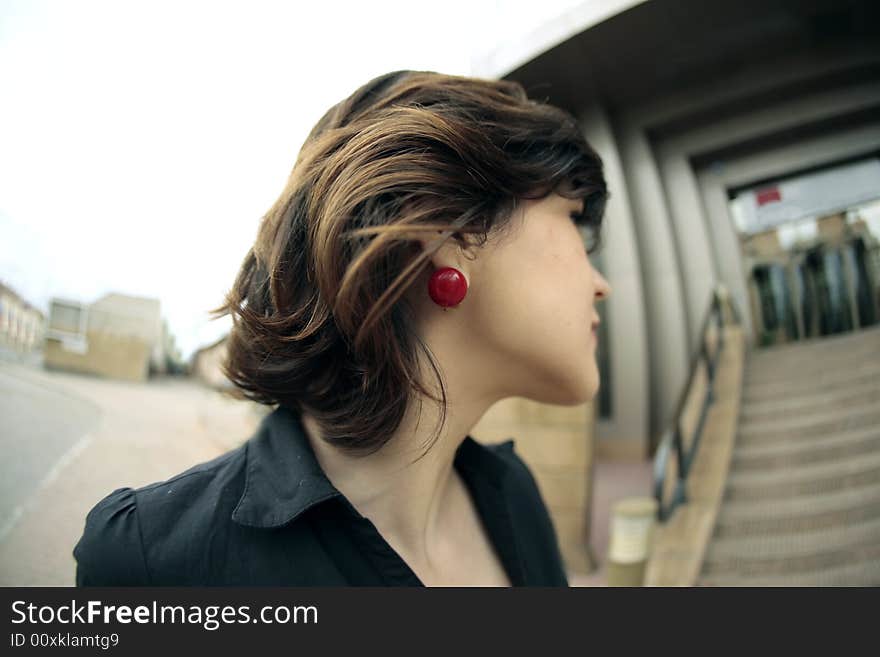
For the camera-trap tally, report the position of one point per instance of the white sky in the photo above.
(140, 142)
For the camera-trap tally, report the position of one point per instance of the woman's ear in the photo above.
(449, 254)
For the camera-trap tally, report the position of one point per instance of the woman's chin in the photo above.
(565, 388)
(574, 395)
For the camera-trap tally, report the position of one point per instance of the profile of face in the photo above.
(525, 327)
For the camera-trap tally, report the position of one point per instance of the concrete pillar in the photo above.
(664, 298)
(629, 426)
(689, 227)
(728, 252)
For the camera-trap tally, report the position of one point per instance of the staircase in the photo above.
(802, 501)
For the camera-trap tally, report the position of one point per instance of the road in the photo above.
(71, 439)
(42, 425)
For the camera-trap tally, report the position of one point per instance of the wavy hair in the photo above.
(320, 319)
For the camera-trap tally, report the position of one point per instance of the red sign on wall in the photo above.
(768, 195)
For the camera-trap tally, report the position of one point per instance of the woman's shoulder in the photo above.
(534, 523)
(514, 476)
(109, 552)
(132, 533)
(518, 473)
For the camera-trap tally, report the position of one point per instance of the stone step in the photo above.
(770, 360)
(811, 368)
(833, 339)
(796, 514)
(862, 374)
(853, 397)
(802, 500)
(863, 573)
(759, 448)
(808, 479)
(771, 554)
(807, 362)
(813, 452)
(795, 427)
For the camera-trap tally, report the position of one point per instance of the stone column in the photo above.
(664, 298)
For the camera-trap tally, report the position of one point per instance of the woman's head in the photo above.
(412, 172)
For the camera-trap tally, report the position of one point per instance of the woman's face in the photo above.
(526, 324)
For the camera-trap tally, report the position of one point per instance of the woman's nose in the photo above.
(603, 289)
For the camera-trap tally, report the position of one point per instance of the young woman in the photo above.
(428, 257)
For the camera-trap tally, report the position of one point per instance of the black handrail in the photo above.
(673, 439)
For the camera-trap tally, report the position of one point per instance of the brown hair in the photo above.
(320, 321)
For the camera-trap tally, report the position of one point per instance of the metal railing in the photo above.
(673, 440)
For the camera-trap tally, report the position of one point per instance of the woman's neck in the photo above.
(408, 502)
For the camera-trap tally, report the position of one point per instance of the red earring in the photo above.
(447, 287)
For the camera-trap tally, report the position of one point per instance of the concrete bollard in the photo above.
(632, 525)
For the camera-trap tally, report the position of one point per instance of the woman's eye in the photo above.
(588, 236)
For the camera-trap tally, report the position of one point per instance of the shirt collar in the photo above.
(283, 477)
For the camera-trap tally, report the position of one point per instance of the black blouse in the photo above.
(265, 514)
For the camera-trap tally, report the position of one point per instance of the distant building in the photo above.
(206, 362)
(117, 336)
(21, 325)
(166, 357)
(825, 280)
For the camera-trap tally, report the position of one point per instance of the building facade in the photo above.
(694, 105)
(717, 122)
(21, 324)
(206, 363)
(118, 336)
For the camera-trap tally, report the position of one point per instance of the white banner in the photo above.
(813, 195)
